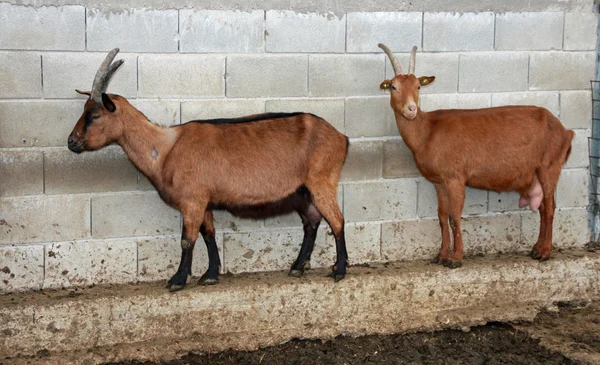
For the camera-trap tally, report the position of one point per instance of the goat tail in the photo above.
(571, 136)
(347, 148)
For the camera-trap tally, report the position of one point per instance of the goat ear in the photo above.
(108, 104)
(385, 85)
(83, 92)
(426, 80)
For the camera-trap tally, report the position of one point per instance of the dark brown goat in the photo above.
(510, 148)
(253, 167)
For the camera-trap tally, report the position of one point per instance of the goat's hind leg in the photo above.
(311, 219)
(549, 179)
(207, 230)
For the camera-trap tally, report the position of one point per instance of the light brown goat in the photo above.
(510, 148)
(253, 167)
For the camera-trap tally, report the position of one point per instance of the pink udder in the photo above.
(533, 197)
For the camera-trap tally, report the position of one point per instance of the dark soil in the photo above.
(491, 344)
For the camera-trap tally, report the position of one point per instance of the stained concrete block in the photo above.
(366, 30)
(458, 32)
(320, 33)
(106, 170)
(579, 156)
(364, 161)
(181, 76)
(136, 30)
(44, 218)
(37, 123)
(576, 109)
(444, 66)
(21, 173)
(21, 268)
(159, 257)
(345, 75)
(492, 234)
(410, 240)
(161, 112)
(570, 228)
(250, 76)
(572, 189)
(454, 101)
(370, 117)
(293, 220)
(581, 31)
(380, 200)
(504, 202)
(538, 31)
(398, 160)
(561, 70)
(475, 201)
(221, 31)
(210, 109)
(332, 110)
(544, 99)
(20, 75)
(135, 214)
(225, 222)
(65, 72)
(493, 72)
(43, 28)
(90, 262)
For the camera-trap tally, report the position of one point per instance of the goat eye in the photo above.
(95, 116)
(394, 87)
(419, 88)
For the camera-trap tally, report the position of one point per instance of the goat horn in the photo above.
(104, 74)
(411, 64)
(395, 65)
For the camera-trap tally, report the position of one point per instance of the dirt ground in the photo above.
(569, 335)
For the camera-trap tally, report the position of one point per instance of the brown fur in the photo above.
(500, 149)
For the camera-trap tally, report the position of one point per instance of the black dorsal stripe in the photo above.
(253, 118)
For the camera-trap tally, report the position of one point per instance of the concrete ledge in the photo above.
(252, 310)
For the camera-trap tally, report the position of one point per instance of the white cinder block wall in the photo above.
(75, 220)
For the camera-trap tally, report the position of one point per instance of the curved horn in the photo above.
(411, 64)
(104, 74)
(395, 65)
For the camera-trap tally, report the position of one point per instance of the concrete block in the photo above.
(159, 257)
(504, 202)
(576, 109)
(410, 240)
(475, 201)
(454, 101)
(458, 32)
(224, 108)
(444, 66)
(579, 149)
(37, 123)
(363, 241)
(561, 70)
(124, 215)
(380, 200)
(65, 72)
(544, 99)
(332, 110)
(224, 221)
(288, 31)
(21, 173)
(250, 76)
(44, 218)
(136, 30)
(293, 220)
(398, 160)
(106, 170)
(493, 72)
(161, 112)
(90, 262)
(47, 28)
(223, 31)
(580, 31)
(572, 189)
(20, 75)
(570, 228)
(366, 30)
(538, 31)
(364, 161)
(492, 234)
(21, 268)
(345, 75)
(181, 76)
(370, 117)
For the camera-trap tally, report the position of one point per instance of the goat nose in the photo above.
(70, 139)
(412, 107)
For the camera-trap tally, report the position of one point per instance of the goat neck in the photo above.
(415, 131)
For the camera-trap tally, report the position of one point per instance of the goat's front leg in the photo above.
(191, 226)
(443, 214)
(207, 230)
(456, 200)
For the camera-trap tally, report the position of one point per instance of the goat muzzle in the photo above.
(74, 145)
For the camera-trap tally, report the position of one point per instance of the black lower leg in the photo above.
(339, 269)
(308, 244)
(211, 276)
(178, 281)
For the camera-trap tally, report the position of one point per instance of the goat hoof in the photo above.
(439, 260)
(453, 264)
(174, 288)
(208, 279)
(337, 274)
(534, 255)
(296, 273)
